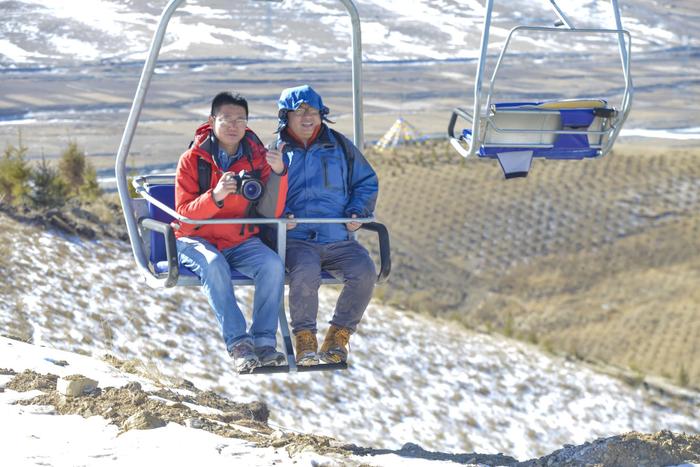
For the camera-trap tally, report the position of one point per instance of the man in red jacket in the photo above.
(208, 186)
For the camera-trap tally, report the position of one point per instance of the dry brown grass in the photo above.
(597, 258)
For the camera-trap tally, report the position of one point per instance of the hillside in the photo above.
(68, 409)
(413, 378)
(553, 318)
(599, 259)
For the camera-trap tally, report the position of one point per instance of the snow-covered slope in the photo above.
(412, 378)
(33, 434)
(48, 31)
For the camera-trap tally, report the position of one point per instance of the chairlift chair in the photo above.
(515, 132)
(148, 218)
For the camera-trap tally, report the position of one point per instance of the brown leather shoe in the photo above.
(306, 347)
(335, 346)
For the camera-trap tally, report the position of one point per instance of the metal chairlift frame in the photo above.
(135, 210)
(480, 119)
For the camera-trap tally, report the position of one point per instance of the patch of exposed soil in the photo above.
(29, 380)
(414, 451)
(257, 411)
(133, 366)
(119, 405)
(73, 219)
(630, 449)
(130, 407)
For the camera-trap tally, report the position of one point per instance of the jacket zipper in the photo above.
(325, 173)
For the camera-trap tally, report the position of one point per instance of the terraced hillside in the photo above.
(598, 258)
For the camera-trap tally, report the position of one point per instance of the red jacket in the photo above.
(190, 203)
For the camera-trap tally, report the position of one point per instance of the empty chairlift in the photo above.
(148, 218)
(515, 132)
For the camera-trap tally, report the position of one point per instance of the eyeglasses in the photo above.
(233, 121)
(310, 111)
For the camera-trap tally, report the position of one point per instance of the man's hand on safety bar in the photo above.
(353, 226)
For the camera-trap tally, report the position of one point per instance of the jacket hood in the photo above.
(204, 142)
(291, 98)
(201, 134)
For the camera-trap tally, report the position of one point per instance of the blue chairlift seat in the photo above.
(515, 132)
(158, 256)
(165, 193)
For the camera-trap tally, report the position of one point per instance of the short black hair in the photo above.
(225, 98)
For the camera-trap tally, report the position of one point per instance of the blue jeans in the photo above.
(255, 260)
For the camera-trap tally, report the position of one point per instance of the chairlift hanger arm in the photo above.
(562, 17)
(624, 57)
(486, 29)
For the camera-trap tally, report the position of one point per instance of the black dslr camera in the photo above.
(249, 185)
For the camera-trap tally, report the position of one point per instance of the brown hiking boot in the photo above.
(335, 345)
(306, 346)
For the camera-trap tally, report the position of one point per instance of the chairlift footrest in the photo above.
(300, 369)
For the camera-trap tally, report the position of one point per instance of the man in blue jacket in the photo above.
(328, 177)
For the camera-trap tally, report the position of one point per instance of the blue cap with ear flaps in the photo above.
(291, 98)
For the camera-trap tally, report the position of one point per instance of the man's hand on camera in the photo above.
(227, 185)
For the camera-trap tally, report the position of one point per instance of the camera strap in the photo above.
(204, 168)
(248, 213)
(247, 150)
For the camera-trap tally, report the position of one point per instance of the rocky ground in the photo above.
(132, 408)
(100, 219)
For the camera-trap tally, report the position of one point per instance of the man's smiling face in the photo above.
(304, 121)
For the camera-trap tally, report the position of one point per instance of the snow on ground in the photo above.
(392, 30)
(412, 378)
(671, 133)
(34, 435)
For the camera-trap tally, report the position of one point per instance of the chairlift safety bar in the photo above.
(140, 187)
(154, 280)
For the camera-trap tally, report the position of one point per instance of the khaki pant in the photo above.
(345, 260)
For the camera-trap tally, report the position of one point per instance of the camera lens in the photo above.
(251, 189)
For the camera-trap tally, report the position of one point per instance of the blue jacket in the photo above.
(319, 186)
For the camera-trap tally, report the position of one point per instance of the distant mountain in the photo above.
(53, 31)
